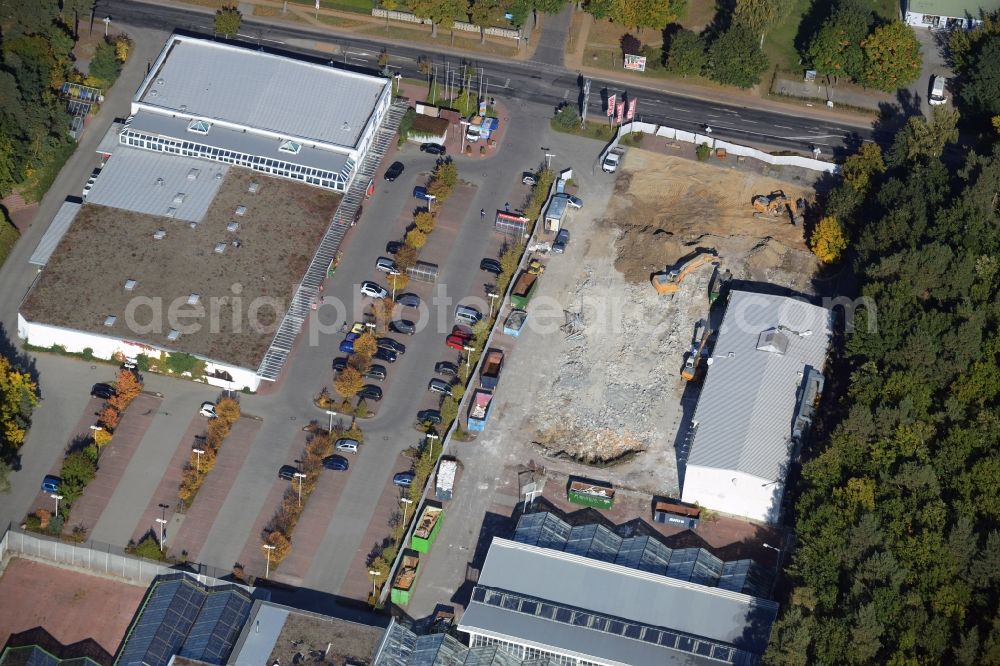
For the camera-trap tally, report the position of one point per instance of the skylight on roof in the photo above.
(292, 147)
(199, 126)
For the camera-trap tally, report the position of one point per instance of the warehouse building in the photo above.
(280, 116)
(948, 14)
(540, 603)
(763, 381)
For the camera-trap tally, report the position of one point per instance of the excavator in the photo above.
(669, 282)
(777, 203)
(693, 360)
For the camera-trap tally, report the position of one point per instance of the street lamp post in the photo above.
(406, 502)
(433, 438)
(267, 557)
(493, 296)
(56, 497)
(107, 22)
(198, 453)
(331, 415)
(374, 574)
(300, 476)
(394, 274)
(777, 564)
(468, 356)
(162, 520)
(430, 201)
(548, 159)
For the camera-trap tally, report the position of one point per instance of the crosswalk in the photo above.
(308, 289)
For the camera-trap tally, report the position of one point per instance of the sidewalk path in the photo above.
(552, 43)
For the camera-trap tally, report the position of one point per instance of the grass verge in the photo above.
(46, 174)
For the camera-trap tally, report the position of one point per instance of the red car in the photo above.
(458, 340)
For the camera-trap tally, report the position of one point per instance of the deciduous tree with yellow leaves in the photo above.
(17, 400)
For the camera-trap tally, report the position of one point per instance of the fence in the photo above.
(98, 558)
(672, 134)
(507, 33)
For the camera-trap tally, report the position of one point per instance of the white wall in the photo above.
(105, 347)
(732, 492)
(916, 20)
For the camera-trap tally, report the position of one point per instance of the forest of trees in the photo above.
(898, 553)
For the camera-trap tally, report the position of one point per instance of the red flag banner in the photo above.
(631, 109)
(611, 105)
(620, 112)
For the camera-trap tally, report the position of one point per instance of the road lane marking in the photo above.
(784, 127)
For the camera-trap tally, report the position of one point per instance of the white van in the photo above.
(467, 315)
(938, 96)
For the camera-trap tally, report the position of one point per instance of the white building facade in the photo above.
(948, 14)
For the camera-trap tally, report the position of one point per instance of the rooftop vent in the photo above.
(160, 234)
(159, 81)
(345, 127)
(159, 182)
(153, 93)
(183, 107)
(254, 186)
(110, 320)
(173, 334)
(772, 340)
(171, 212)
(220, 248)
(193, 299)
(193, 174)
(193, 224)
(129, 285)
(218, 175)
(233, 226)
(179, 198)
(237, 242)
(241, 210)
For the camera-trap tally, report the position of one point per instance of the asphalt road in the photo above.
(540, 82)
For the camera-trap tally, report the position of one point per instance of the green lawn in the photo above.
(779, 42)
(356, 6)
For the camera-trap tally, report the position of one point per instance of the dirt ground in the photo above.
(70, 605)
(613, 391)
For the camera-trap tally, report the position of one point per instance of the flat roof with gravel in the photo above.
(261, 91)
(264, 253)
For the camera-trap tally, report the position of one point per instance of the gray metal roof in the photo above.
(611, 590)
(109, 143)
(259, 635)
(557, 208)
(210, 80)
(235, 140)
(132, 180)
(744, 416)
(57, 229)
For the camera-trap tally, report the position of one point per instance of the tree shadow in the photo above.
(811, 22)
(723, 18)
(892, 116)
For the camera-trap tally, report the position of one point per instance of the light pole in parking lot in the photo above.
(331, 415)
(432, 438)
(162, 520)
(468, 357)
(300, 476)
(430, 201)
(56, 497)
(406, 502)
(393, 274)
(374, 574)
(267, 558)
(493, 296)
(195, 450)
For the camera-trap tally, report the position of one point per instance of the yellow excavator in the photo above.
(669, 282)
(693, 360)
(777, 203)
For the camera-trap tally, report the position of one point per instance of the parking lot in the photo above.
(350, 511)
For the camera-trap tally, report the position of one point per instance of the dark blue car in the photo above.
(50, 484)
(421, 193)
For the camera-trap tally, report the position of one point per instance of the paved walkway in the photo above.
(198, 520)
(114, 459)
(552, 43)
(252, 555)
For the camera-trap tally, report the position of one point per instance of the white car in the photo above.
(386, 265)
(89, 186)
(373, 289)
(575, 202)
(207, 409)
(938, 95)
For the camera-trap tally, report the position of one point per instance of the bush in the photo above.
(105, 66)
(78, 469)
(424, 221)
(228, 20)
(736, 59)
(702, 151)
(416, 238)
(567, 117)
(406, 124)
(179, 362)
(228, 410)
(149, 548)
(828, 240)
(282, 547)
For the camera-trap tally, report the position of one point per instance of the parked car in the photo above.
(207, 409)
(403, 479)
(377, 372)
(408, 300)
(373, 289)
(575, 202)
(457, 341)
(432, 416)
(392, 247)
(287, 472)
(336, 463)
(394, 171)
(529, 178)
(346, 445)
(340, 364)
(446, 368)
(387, 355)
(491, 266)
(370, 392)
(103, 391)
(403, 326)
(433, 148)
(938, 95)
(467, 315)
(51, 484)
(562, 240)
(391, 345)
(420, 192)
(439, 386)
(386, 265)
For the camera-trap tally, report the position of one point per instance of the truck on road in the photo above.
(612, 159)
(489, 375)
(523, 290)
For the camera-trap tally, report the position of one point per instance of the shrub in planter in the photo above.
(702, 151)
